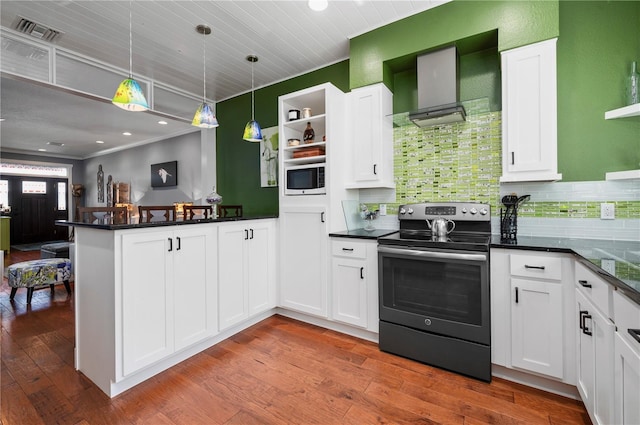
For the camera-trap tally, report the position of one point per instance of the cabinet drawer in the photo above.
(596, 288)
(345, 248)
(536, 266)
(627, 316)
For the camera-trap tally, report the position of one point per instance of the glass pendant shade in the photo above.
(204, 117)
(252, 132)
(129, 96)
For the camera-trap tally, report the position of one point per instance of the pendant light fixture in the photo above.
(252, 131)
(129, 95)
(204, 117)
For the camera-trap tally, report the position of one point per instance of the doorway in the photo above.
(36, 203)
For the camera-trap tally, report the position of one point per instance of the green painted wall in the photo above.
(518, 23)
(598, 41)
(238, 161)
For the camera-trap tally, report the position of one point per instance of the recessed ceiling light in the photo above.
(126, 133)
(318, 5)
(99, 142)
(42, 150)
(1, 119)
(163, 122)
(55, 144)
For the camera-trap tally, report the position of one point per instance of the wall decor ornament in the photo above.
(164, 174)
(100, 184)
(109, 191)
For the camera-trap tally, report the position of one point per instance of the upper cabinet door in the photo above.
(371, 137)
(529, 113)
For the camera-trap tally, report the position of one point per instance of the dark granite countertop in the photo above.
(135, 225)
(623, 271)
(363, 234)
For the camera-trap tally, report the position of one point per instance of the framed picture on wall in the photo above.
(164, 174)
(269, 157)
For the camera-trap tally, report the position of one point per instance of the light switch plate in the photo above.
(607, 211)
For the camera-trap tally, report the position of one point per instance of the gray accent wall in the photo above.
(133, 166)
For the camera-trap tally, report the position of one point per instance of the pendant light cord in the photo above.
(252, 91)
(130, 45)
(204, 67)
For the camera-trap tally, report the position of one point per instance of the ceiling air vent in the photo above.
(34, 29)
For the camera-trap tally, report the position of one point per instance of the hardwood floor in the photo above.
(279, 371)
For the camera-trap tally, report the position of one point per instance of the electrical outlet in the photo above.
(607, 211)
(383, 209)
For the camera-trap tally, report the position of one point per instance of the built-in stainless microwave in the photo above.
(305, 179)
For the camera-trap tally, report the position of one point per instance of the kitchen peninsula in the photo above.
(150, 295)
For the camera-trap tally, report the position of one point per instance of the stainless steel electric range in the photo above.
(434, 287)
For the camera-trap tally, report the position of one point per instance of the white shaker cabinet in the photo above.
(594, 345)
(532, 304)
(168, 293)
(354, 282)
(626, 360)
(529, 113)
(303, 259)
(247, 269)
(537, 330)
(371, 137)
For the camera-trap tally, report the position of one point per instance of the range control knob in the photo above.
(483, 211)
(403, 211)
(410, 211)
(464, 210)
(474, 211)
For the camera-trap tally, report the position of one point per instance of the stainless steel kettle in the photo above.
(440, 226)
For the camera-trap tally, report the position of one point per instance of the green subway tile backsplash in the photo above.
(454, 162)
(462, 162)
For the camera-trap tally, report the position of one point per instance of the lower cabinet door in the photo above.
(627, 381)
(232, 281)
(537, 324)
(147, 322)
(349, 291)
(595, 339)
(194, 285)
(261, 267)
(304, 266)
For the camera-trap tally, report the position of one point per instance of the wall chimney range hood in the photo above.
(438, 89)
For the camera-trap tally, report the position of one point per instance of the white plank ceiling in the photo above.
(289, 38)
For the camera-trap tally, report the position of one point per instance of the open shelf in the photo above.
(623, 175)
(304, 146)
(305, 160)
(301, 123)
(624, 112)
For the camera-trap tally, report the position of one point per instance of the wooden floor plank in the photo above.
(17, 408)
(279, 371)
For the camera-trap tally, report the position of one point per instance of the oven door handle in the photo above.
(433, 254)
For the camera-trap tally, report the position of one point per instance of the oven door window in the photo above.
(443, 289)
